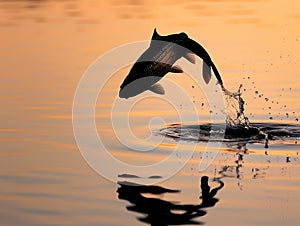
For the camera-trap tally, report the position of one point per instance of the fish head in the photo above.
(140, 85)
(127, 89)
(127, 92)
(134, 87)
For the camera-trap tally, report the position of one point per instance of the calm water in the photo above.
(46, 46)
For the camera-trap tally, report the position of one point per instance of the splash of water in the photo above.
(235, 108)
(239, 130)
(236, 121)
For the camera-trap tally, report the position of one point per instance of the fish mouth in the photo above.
(123, 94)
(129, 91)
(137, 86)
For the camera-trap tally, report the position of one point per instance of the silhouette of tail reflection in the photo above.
(158, 212)
(208, 196)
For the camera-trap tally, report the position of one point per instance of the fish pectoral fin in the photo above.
(176, 69)
(190, 57)
(158, 89)
(206, 72)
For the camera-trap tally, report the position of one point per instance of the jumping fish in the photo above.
(159, 59)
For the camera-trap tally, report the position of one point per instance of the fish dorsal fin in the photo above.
(158, 89)
(155, 35)
(206, 72)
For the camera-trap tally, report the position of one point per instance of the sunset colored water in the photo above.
(47, 46)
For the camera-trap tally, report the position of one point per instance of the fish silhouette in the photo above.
(159, 59)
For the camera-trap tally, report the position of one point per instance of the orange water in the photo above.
(45, 47)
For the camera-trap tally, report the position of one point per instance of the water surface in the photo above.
(47, 45)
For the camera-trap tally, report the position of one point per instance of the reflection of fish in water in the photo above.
(208, 195)
(158, 212)
(158, 60)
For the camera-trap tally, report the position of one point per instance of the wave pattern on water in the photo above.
(203, 132)
(237, 127)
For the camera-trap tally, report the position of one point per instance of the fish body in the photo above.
(159, 59)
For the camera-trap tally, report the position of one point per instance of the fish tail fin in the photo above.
(217, 74)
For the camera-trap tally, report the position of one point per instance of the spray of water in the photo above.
(235, 108)
(236, 121)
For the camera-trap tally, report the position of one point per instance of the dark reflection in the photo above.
(233, 171)
(159, 212)
(208, 195)
(234, 137)
(236, 170)
(212, 132)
